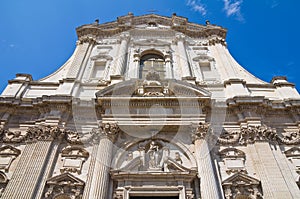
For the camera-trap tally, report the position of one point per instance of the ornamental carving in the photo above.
(199, 131)
(64, 186)
(257, 133)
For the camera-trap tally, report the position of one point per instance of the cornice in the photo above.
(128, 22)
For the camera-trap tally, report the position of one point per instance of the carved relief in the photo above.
(154, 155)
(241, 185)
(73, 158)
(7, 156)
(64, 186)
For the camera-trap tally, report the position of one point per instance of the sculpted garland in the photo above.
(109, 130)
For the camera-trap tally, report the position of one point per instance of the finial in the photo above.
(130, 13)
(174, 14)
(207, 22)
(97, 21)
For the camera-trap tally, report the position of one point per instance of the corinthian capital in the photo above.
(199, 131)
(109, 130)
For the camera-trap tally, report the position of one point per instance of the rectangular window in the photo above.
(98, 70)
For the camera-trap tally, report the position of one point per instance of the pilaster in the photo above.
(101, 177)
(208, 180)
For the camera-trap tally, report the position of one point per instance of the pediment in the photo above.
(74, 152)
(144, 88)
(9, 151)
(292, 152)
(241, 179)
(65, 178)
(232, 153)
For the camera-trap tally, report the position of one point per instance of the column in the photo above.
(186, 72)
(169, 74)
(209, 186)
(121, 57)
(101, 178)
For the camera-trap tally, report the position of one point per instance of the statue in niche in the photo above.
(178, 158)
(154, 155)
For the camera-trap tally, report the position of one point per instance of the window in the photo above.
(152, 63)
(98, 70)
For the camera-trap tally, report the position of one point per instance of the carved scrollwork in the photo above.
(43, 133)
(13, 137)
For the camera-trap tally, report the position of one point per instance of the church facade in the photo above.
(149, 107)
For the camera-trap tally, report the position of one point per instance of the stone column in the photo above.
(169, 74)
(209, 186)
(101, 178)
(184, 65)
(121, 57)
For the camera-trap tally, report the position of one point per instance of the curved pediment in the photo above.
(129, 22)
(153, 88)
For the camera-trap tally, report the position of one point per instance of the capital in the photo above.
(109, 130)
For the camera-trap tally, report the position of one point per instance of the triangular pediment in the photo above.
(240, 179)
(65, 178)
(167, 88)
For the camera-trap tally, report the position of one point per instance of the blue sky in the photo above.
(37, 37)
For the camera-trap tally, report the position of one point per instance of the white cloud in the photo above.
(197, 6)
(233, 8)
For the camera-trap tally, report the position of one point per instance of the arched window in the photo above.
(152, 62)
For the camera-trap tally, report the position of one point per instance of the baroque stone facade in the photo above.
(149, 107)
